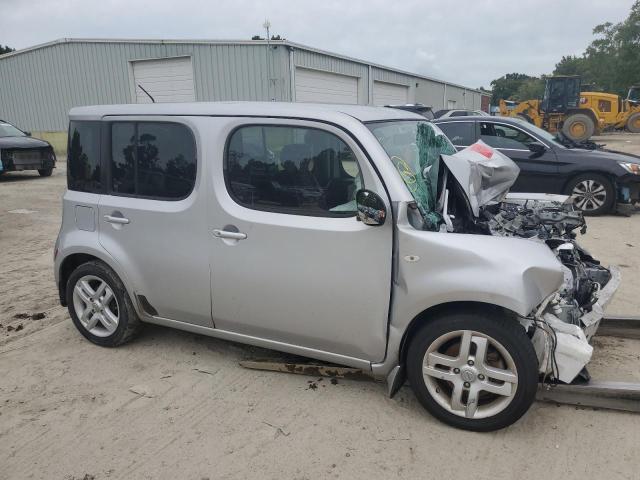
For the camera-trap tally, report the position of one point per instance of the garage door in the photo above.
(324, 87)
(390, 94)
(166, 80)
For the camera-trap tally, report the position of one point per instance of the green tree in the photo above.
(507, 86)
(530, 89)
(573, 65)
(6, 49)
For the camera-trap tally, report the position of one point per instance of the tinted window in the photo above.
(292, 170)
(152, 159)
(502, 136)
(458, 113)
(83, 157)
(460, 133)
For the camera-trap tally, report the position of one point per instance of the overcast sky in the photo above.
(470, 42)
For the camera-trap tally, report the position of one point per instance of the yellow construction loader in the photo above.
(578, 115)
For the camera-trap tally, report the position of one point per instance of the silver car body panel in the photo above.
(235, 293)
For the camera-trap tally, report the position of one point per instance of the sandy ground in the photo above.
(175, 405)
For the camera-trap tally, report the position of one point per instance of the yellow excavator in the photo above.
(578, 115)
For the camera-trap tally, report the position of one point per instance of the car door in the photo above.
(152, 216)
(461, 133)
(289, 261)
(537, 170)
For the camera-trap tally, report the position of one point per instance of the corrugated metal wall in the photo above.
(39, 86)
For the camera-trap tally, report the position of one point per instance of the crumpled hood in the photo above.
(484, 174)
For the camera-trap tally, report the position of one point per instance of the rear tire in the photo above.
(592, 193)
(633, 123)
(498, 371)
(100, 306)
(578, 127)
(45, 172)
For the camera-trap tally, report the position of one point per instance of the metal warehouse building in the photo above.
(40, 84)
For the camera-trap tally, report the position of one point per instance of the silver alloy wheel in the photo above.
(480, 381)
(96, 306)
(589, 195)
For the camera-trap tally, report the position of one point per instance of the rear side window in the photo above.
(83, 157)
(460, 133)
(152, 160)
(301, 171)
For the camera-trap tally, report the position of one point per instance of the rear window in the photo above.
(83, 157)
(460, 133)
(152, 160)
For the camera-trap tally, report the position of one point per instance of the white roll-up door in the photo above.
(166, 80)
(325, 87)
(390, 93)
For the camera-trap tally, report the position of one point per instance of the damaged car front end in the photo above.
(485, 248)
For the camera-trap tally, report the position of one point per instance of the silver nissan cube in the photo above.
(349, 234)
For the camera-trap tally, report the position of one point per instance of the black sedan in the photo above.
(598, 180)
(19, 151)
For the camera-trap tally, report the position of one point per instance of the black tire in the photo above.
(578, 127)
(509, 333)
(633, 123)
(128, 324)
(591, 207)
(45, 172)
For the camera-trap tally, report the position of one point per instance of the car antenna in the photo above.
(148, 94)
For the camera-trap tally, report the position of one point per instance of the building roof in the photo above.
(328, 112)
(286, 43)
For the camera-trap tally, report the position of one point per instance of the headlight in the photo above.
(630, 167)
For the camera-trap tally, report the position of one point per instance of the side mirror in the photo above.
(537, 148)
(371, 208)
(28, 134)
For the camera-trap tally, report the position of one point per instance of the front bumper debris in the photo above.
(570, 347)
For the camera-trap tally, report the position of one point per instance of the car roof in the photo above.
(484, 118)
(328, 112)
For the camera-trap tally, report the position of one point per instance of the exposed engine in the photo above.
(554, 223)
(477, 201)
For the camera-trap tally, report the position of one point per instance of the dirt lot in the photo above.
(175, 405)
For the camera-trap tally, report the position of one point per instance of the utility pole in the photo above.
(267, 25)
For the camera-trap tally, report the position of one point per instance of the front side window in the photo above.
(83, 157)
(152, 159)
(460, 133)
(498, 135)
(294, 170)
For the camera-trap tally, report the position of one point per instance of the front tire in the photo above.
(592, 193)
(633, 123)
(578, 127)
(473, 370)
(45, 172)
(100, 306)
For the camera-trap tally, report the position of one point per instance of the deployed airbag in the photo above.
(485, 174)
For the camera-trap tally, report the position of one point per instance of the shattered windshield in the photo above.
(414, 148)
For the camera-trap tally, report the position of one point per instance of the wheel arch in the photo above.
(449, 307)
(603, 173)
(584, 111)
(73, 260)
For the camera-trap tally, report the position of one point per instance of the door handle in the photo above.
(118, 220)
(227, 234)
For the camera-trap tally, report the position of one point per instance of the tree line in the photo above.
(611, 63)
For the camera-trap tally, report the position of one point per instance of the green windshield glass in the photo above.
(415, 147)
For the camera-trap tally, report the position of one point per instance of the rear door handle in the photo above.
(118, 220)
(227, 234)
